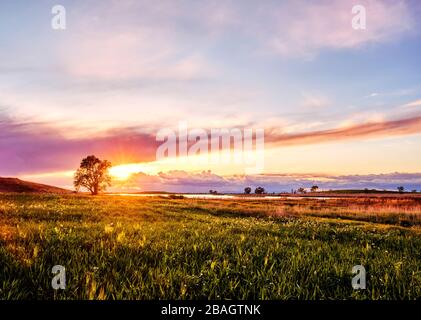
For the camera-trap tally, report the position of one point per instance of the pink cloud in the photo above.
(123, 40)
(305, 28)
(202, 182)
(138, 53)
(37, 147)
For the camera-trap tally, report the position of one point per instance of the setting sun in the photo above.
(124, 171)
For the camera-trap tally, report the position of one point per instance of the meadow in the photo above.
(122, 247)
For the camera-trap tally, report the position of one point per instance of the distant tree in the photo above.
(401, 189)
(301, 190)
(259, 190)
(211, 191)
(93, 174)
(247, 190)
(414, 190)
(314, 188)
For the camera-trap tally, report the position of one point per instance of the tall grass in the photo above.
(116, 247)
(396, 211)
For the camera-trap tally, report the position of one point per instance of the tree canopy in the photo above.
(93, 174)
(259, 190)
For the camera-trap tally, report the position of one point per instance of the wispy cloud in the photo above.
(413, 104)
(130, 54)
(144, 44)
(359, 131)
(304, 29)
(313, 101)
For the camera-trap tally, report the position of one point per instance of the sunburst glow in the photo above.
(124, 171)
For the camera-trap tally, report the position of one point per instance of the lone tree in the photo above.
(314, 188)
(93, 175)
(259, 190)
(247, 190)
(301, 190)
(401, 189)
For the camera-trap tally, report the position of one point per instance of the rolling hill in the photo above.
(17, 185)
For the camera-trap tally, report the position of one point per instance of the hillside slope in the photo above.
(17, 185)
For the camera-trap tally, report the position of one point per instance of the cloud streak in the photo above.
(360, 131)
(34, 147)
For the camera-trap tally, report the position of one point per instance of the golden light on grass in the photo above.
(166, 239)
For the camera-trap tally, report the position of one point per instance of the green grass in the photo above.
(116, 247)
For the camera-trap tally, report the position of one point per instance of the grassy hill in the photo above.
(17, 185)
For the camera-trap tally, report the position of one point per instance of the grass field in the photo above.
(116, 247)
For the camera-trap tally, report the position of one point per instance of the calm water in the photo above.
(220, 196)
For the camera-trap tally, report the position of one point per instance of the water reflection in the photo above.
(220, 196)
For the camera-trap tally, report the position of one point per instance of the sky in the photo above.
(340, 107)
